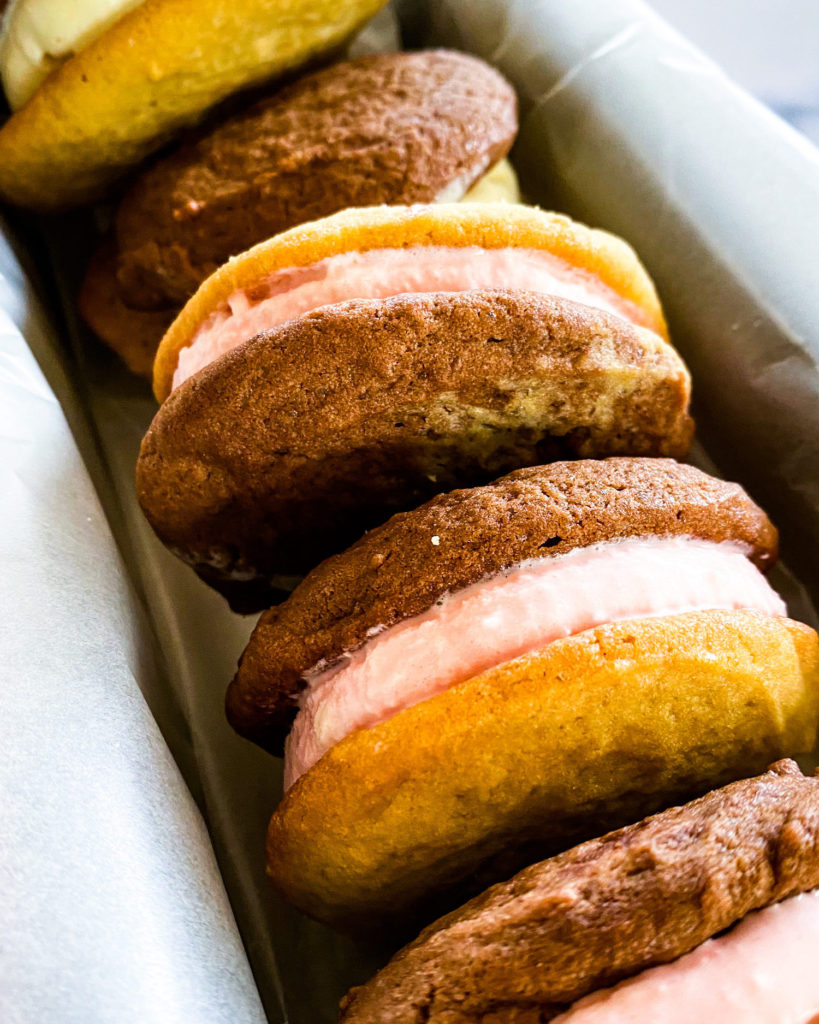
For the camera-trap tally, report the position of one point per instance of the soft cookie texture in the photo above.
(529, 947)
(157, 69)
(132, 333)
(588, 733)
(395, 571)
(399, 128)
(595, 253)
(285, 449)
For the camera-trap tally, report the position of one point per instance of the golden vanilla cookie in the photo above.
(498, 185)
(587, 733)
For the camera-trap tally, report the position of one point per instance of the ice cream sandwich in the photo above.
(96, 86)
(376, 252)
(706, 912)
(398, 128)
(286, 448)
(510, 669)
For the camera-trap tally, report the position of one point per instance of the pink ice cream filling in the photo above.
(511, 614)
(762, 971)
(380, 273)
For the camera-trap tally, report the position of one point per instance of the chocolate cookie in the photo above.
(398, 128)
(394, 572)
(528, 948)
(285, 449)
(131, 333)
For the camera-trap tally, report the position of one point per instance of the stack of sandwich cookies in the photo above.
(101, 85)
(506, 670)
(400, 128)
(285, 449)
(707, 912)
(347, 329)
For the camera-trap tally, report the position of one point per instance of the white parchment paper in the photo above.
(113, 907)
(111, 876)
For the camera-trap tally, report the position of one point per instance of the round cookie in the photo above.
(155, 70)
(398, 128)
(591, 258)
(605, 911)
(388, 576)
(131, 333)
(285, 449)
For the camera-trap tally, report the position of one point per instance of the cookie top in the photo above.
(607, 909)
(384, 227)
(154, 71)
(399, 128)
(397, 570)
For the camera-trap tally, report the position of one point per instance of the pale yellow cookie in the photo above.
(498, 185)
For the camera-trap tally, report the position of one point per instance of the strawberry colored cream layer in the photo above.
(380, 273)
(511, 614)
(763, 971)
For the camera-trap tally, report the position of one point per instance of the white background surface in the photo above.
(771, 48)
